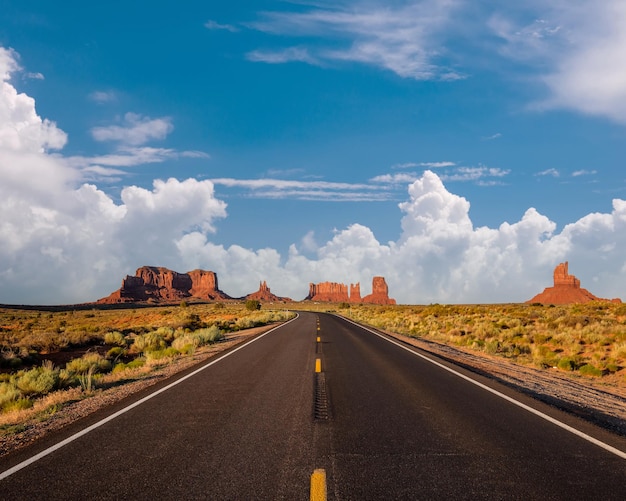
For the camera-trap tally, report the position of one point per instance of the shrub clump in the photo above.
(253, 305)
(590, 370)
(115, 338)
(38, 381)
(93, 362)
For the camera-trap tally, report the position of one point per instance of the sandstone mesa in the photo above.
(154, 284)
(566, 290)
(336, 292)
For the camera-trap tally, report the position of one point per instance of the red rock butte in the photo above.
(566, 290)
(338, 293)
(156, 284)
(264, 294)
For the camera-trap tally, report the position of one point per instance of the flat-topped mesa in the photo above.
(338, 293)
(264, 294)
(566, 290)
(328, 292)
(157, 284)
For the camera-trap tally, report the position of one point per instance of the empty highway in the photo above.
(319, 393)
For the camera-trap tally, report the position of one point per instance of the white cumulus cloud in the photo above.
(66, 242)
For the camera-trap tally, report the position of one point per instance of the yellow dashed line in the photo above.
(318, 485)
(318, 365)
(318, 339)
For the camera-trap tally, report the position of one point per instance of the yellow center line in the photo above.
(318, 485)
(318, 339)
(318, 365)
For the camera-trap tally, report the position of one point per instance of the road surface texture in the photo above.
(381, 421)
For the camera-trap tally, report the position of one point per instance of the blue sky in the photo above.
(459, 148)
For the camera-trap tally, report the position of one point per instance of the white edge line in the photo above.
(552, 420)
(104, 421)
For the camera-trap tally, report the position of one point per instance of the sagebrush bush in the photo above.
(115, 338)
(9, 392)
(38, 381)
(590, 370)
(161, 354)
(135, 364)
(148, 342)
(89, 361)
(17, 405)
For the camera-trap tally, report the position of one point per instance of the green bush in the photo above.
(115, 338)
(566, 364)
(590, 370)
(208, 335)
(135, 364)
(253, 304)
(9, 392)
(161, 354)
(17, 405)
(115, 353)
(148, 342)
(38, 381)
(88, 362)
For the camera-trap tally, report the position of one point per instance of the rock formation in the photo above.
(264, 294)
(156, 284)
(338, 293)
(380, 292)
(355, 293)
(566, 290)
(328, 292)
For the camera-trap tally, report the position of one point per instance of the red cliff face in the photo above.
(157, 284)
(338, 293)
(566, 290)
(380, 292)
(264, 294)
(204, 285)
(328, 292)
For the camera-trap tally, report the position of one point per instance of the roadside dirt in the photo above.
(591, 399)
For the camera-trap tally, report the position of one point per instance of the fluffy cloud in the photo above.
(21, 129)
(440, 256)
(61, 241)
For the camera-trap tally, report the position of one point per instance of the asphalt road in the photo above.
(382, 422)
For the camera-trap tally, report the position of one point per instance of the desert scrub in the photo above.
(148, 342)
(134, 364)
(93, 362)
(115, 338)
(9, 393)
(159, 355)
(568, 337)
(197, 338)
(38, 381)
